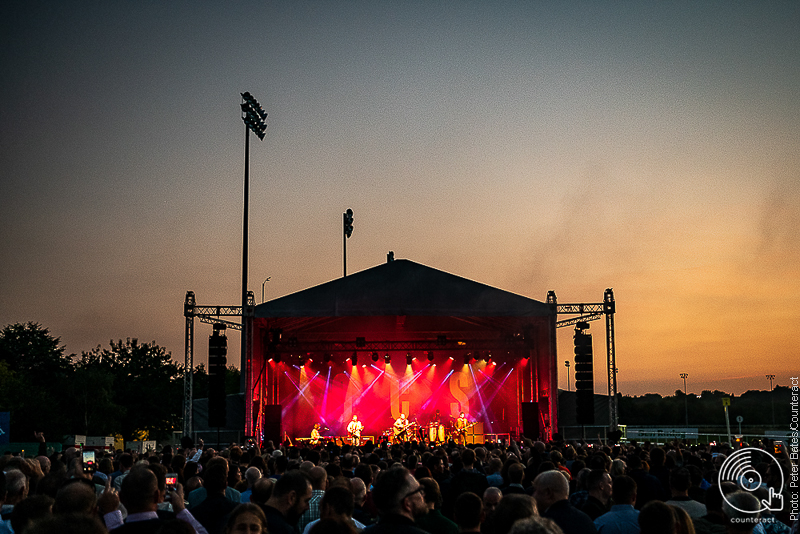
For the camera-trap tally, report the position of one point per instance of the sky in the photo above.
(648, 147)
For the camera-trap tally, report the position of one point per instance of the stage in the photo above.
(402, 338)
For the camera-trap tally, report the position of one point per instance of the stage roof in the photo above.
(402, 287)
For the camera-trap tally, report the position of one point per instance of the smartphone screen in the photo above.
(172, 481)
(88, 462)
(778, 446)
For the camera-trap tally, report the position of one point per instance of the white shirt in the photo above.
(359, 526)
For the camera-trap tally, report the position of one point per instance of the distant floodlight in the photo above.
(348, 222)
(254, 115)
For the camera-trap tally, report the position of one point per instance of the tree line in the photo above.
(755, 407)
(129, 388)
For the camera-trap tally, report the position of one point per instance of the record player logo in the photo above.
(738, 468)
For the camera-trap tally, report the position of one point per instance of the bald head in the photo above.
(306, 466)
(359, 490)
(318, 477)
(549, 488)
(140, 490)
(491, 498)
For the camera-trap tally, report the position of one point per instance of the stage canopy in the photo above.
(402, 338)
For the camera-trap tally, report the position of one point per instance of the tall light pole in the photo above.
(254, 118)
(347, 231)
(262, 288)
(685, 397)
(566, 364)
(772, 396)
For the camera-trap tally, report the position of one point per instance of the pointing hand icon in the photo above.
(777, 498)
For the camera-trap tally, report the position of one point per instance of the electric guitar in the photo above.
(463, 430)
(398, 431)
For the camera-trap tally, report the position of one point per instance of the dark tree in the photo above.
(34, 374)
(145, 387)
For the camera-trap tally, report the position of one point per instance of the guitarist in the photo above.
(401, 428)
(461, 429)
(354, 428)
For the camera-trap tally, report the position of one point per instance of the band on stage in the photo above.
(436, 431)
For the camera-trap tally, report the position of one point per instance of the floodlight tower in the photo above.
(254, 118)
(772, 396)
(347, 226)
(685, 398)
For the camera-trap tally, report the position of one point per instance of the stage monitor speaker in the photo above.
(530, 420)
(476, 439)
(272, 423)
(475, 429)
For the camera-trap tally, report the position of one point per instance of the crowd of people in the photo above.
(523, 487)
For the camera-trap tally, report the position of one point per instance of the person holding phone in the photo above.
(140, 494)
(89, 462)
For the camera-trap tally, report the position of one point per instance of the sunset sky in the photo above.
(650, 147)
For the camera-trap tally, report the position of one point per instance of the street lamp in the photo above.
(566, 364)
(254, 118)
(262, 288)
(772, 396)
(685, 397)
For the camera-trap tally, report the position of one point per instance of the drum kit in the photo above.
(434, 433)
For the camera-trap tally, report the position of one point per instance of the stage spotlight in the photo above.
(302, 360)
(387, 358)
(430, 356)
(467, 358)
(354, 359)
(375, 356)
(409, 359)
